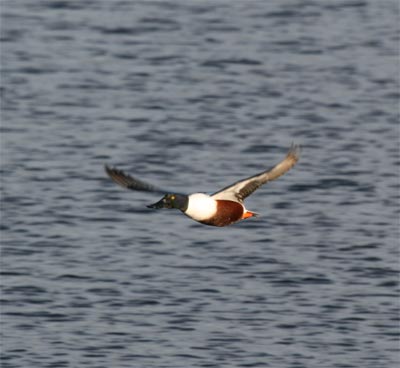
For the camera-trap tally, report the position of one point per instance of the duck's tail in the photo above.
(248, 214)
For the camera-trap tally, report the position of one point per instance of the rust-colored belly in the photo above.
(228, 212)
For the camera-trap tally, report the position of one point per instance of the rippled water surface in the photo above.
(194, 95)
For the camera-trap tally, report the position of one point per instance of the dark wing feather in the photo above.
(243, 188)
(129, 182)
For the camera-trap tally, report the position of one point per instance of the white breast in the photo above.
(201, 207)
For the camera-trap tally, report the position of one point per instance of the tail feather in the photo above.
(248, 214)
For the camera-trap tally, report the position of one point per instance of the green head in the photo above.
(178, 201)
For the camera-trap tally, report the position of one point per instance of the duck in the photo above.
(224, 207)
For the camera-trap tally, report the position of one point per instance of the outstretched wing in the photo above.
(129, 182)
(243, 188)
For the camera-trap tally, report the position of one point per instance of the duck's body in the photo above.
(217, 212)
(222, 208)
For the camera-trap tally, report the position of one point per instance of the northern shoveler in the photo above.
(222, 208)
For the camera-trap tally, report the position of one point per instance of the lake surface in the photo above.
(192, 96)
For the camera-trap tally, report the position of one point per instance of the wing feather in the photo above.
(129, 182)
(243, 188)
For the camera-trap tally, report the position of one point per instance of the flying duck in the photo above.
(222, 208)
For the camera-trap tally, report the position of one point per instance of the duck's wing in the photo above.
(129, 182)
(243, 188)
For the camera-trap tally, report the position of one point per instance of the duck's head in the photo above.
(178, 201)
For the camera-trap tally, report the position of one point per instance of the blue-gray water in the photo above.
(193, 95)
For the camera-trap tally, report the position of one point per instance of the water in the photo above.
(193, 96)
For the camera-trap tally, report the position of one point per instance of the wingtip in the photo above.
(107, 168)
(112, 170)
(294, 151)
